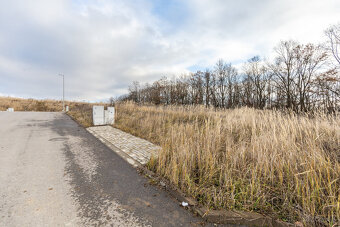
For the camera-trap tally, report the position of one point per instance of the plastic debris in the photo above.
(162, 184)
(184, 204)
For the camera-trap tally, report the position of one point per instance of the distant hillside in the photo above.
(79, 111)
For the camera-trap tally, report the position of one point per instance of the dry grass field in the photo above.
(80, 111)
(282, 165)
(279, 164)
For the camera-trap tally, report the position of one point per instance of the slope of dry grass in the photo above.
(79, 111)
(279, 164)
(20, 104)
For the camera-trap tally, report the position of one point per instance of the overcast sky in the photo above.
(102, 46)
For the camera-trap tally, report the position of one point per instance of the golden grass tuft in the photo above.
(284, 165)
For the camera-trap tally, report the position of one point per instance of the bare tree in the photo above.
(256, 81)
(207, 87)
(333, 34)
(195, 82)
(220, 71)
(299, 78)
(134, 90)
(112, 101)
(284, 71)
(310, 62)
(225, 78)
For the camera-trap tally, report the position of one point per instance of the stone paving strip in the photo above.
(133, 149)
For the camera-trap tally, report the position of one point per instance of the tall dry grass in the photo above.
(284, 165)
(20, 104)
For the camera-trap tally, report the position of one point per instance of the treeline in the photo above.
(300, 77)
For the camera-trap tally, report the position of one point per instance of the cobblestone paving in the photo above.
(131, 148)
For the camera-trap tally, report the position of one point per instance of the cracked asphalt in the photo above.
(54, 173)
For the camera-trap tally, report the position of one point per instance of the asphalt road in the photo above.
(54, 173)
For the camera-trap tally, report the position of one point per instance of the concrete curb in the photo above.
(121, 153)
(215, 216)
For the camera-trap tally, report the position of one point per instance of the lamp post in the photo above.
(63, 92)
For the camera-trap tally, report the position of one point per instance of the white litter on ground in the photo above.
(184, 204)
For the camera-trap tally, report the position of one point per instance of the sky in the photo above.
(101, 46)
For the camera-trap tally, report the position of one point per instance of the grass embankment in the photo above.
(282, 165)
(80, 111)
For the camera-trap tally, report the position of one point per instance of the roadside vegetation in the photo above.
(79, 111)
(280, 164)
(263, 137)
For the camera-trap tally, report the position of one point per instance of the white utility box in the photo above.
(10, 109)
(110, 115)
(103, 117)
(98, 115)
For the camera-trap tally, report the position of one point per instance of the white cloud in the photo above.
(102, 46)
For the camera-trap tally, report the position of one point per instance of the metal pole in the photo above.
(63, 92)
